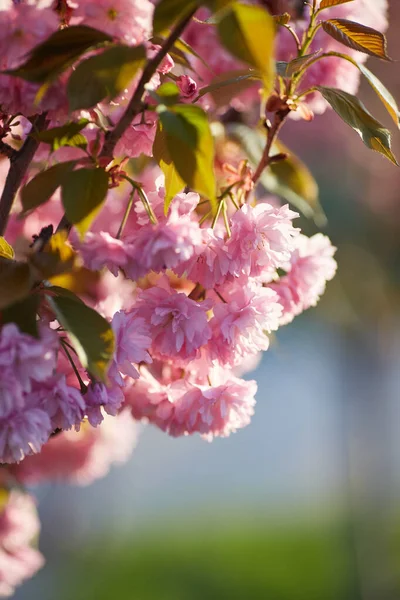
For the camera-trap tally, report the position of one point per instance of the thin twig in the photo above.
(19, 164)
(273, 131)
(135, 105)
(7, 150)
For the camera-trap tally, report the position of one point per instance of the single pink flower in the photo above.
(132, 341)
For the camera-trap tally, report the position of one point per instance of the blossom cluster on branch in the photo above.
(149, 249)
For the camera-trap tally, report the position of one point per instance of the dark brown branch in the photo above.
(135, 106)
(19, 164)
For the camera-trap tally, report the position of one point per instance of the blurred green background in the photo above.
(304, 503)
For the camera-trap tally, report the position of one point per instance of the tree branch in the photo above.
(272, 133)
(135, 105)
(7, 150)
(19, 164)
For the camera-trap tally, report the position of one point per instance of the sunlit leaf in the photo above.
(104, 75)
(288, 69)
(83, 194)
(229, 85)
(90, 334)
(80, 281)
(58, 52)
(354, 113)
(173, 182)
(41, 188)
(190, 146)
(329, 3)
(6, 251)
(248, 32)
(383, 93)
(357, 36)
(65, 135)
(56, 258)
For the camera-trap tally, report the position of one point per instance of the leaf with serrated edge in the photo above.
(288, 69)
(329, 3)
(65, 135)
(83, 194)
(91, 335)
(357, 36)
(354, 113)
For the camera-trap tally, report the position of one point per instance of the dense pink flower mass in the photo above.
(19, 526)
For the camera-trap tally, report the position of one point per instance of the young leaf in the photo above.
(329, 3)
(41, 188)
(383, 93)
(190, 146)
(248, 32)
(288, 69)
(90, 334)
(83, 194)
(66, 135)
(168, 12)
(23, 314)
(6, 251)
(58, 52)
(173, 182)
(104, 75)
(228, 85)
(357, 36)
(354, 113)
(15, 281)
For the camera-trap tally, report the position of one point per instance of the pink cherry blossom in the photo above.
(132, 341)
(127, 20)
(241, 323)
(101, 250)
(262, 239)
(178, 324)
(98, 397)
(162, 246)
(19, 526)
(81, 457)
(311, 266)
(187, 87)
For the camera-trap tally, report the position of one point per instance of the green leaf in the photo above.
(104, 75)
(66, 135)
(248, 32)
(15, 281)
(383, 93)
(167, 12)
(168, 93)
(6, 251)
(288, 69)
(190, 146)
(41, 188)
(290, 179)
(83, 194)
(23, 314)
(329, 3)
(90, 334)
(229, 85)
(173, 182)
(58, 52)
(357, 36)
(354, 113)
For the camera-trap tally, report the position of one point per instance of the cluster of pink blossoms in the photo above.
(191, 302)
